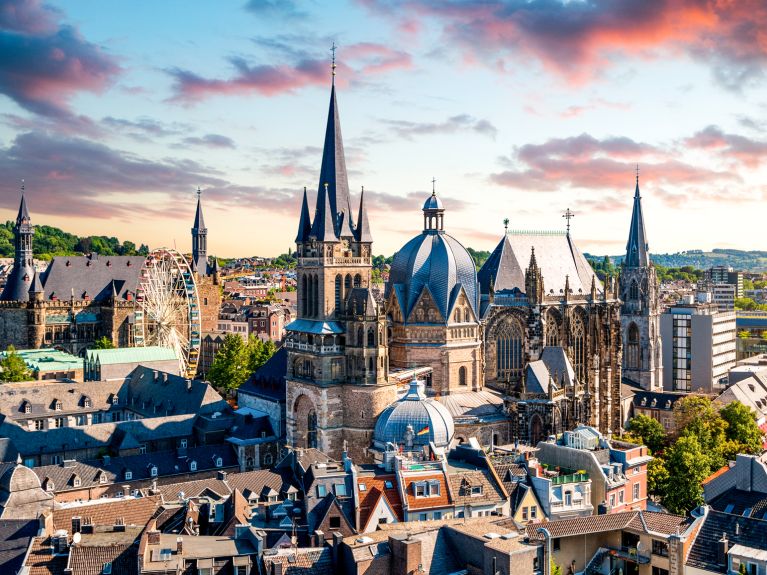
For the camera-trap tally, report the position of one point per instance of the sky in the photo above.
(113, 113)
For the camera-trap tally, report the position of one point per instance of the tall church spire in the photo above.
(23, 273)
(199, 240)
(637, 248)
(333, 173)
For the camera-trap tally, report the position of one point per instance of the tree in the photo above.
(697, 416)
(657, 477)
(258, 353)
(230, 365)
(742, 428)
(103, 343)
(744, 334)
(649, 430)
(555, 569)
(689, 465)
(12, 367)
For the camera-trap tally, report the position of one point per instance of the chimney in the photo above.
(405, 554)
(153, 537)
(179, 545)
(319, 538)
(276, 568)
(723, 546)
(221, 475)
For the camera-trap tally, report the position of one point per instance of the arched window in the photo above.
(339, 296)
(552, 330)
(347, 283)
(303, 296)
(357, 281)
(370, 364)
(633, 360)
(371, 337)
(509, 345)
(462, 375)
(634, 291)
(311, 429)
(360, 337)
(466, 315)
(457, 316)
(578, 347)
(316, 294)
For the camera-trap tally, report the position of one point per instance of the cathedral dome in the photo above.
(414, 417)
(433, 260)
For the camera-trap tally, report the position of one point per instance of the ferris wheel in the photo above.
(168, 308)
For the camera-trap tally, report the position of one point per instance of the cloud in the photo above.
(355, 61)
(274, 8)
(43, 63)
(74, 176)
(460, 123)
(145, 128)
(210, 141)
(590, 163)
(577, 40)
(747, 151)
(385, 202)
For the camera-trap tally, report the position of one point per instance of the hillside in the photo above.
(747, 261)
(49, 241)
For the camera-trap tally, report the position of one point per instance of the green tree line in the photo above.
(236, 360)
(49, 241)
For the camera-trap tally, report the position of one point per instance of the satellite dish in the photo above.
(76, 538)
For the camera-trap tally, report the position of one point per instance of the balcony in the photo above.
(569, 478)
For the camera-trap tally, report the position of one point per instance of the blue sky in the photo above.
(113, 113)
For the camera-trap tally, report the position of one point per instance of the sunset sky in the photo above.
(114, 112)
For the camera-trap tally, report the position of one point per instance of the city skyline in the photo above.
(113, 130)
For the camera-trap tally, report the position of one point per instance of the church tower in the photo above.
(337, 352)
(206, 273)
(199, 240)
(640, 311)
(23, 273)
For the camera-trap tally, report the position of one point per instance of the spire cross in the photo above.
(568, 215)
(199, 192)
(637, 174)
(433, 186)
(22, 186)
(506, 225)
(333, 49)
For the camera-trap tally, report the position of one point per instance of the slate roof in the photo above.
(301, 561)
(737, 502)
(168, 463)
(557, 257)
(21, 496)
(92, 276)
(269, 380)
(704, 551)
(248, 483)
(660, 400)
(553, 367)
(15, 537)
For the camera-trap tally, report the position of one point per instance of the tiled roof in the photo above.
(665, 523)
(704, 551)
(41, 396)
(462, 481)
(414, 503)
(584, 525)
(375, 488)
(302, 561)
(15, 537)
(248, 483)
(132, 511)
(41, 562)
(90, 559)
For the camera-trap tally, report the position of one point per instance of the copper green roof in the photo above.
(130, 355)
(48, 359)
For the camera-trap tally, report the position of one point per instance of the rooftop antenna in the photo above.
(333, 49)
(568, 215)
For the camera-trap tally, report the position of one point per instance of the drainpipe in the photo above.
(547, 559)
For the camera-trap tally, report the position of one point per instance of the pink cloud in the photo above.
(747, 151)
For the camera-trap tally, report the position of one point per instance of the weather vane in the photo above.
(506, 225)
(568, 215)
(22, 186)
(199, 192)
(637, 174)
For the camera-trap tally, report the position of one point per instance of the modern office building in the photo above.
(698, 347)
(726, 275)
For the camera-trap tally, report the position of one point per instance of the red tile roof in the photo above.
(413, 502)
(375, 489)
(106, 512)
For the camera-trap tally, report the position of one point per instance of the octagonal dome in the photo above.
(429, 419)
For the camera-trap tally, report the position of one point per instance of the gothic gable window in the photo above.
(338, 292)
(311, 432)
(371, 337)
(633, 360)
(552, 329)
(634, 291)
(509, 344)
(578, 347)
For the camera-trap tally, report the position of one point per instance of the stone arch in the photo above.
(305, 422)
(578, 340)
(347, 283)
(360, 336)
(537, 429)
(634, 290)
(371, 337)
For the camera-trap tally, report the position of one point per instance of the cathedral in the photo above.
(79, 299)
(527, 346)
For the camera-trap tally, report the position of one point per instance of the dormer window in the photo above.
(219, 462)
(57, 405)
(115, 399)
(48, 484)
(87, 402)
(192, 466)
(153, 471)
(102, 477)
(76, 482)
(128, 475)
(27, 407)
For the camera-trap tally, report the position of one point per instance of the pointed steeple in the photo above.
(304, 224)
(636, 248)
(22, 275)
(363, 226)
(23, 212)
(36, 289)
(199, 240)
(333, 173)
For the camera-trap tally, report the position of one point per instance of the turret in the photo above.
(21, 277)
(637, 248)
(199, 240)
